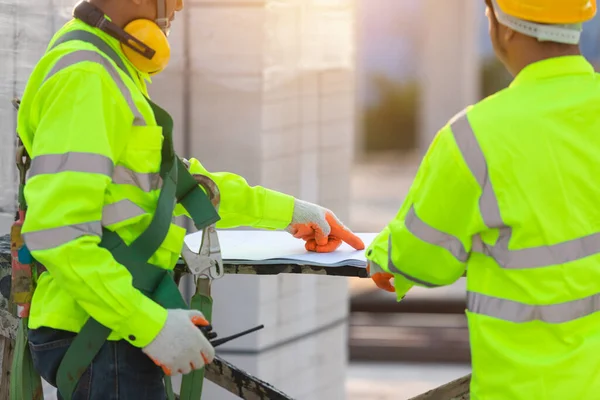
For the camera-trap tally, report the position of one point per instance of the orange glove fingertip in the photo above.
(200, 321)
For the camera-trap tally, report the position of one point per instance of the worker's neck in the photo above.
(114, 10)
(532, 54)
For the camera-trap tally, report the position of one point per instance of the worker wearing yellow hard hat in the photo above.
(107, 320)
(508, 194)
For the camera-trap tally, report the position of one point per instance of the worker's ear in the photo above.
(508, 34)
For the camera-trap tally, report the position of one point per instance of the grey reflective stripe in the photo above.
(395, 270)
(513, 311)
(534, 257)
(120, 211)
(50, 238)
(88, 55)
(426, 233)
(71, 161)
(544, 256)
(182, 221)
(473, 156)
(145, 181)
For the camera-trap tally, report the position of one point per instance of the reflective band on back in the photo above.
(88, 55)
(145, 181)
(432, 236)
(513, 311)
(395, 270)
(473, 156)
(534, 257)
(71, 161)
(51, 238)
(543, 256)
(120, 211)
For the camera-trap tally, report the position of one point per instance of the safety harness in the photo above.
(179, 186)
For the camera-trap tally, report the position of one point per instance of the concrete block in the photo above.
(336, 134)
(281, 142)
(227, 41)
(281, 171)
(337, 106)
(225, 121)
(338, 81)
(281, 113)
(289, 286)
(310, 136)
(235, 310)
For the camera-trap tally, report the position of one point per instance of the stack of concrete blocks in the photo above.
(25, 29)
(449, 62)
(265, 89)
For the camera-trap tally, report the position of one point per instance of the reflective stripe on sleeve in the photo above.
(72, 162)
(87, 55)
(94, 164)
(54, 237)
(120, 211)
(426, 233)
(395, 270)
(145, 181)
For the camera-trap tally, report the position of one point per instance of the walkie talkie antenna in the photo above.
(218, 342)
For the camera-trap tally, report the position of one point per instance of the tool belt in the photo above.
(179, 186)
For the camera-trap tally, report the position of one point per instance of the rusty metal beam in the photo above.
(455, 390)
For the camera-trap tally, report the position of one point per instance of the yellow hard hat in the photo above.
(550, 11)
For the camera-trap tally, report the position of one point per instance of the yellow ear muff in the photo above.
(149, 33)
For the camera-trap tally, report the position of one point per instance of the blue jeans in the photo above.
(120, 371)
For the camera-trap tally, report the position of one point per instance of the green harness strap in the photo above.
(158, 284)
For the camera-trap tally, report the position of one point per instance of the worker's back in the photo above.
(534, 276)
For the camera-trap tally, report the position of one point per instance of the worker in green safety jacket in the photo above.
(102, 164)
(508, 193)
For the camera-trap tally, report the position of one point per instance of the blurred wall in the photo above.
(448, 67)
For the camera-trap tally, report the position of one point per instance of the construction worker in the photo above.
(102, 164)
(508, 193)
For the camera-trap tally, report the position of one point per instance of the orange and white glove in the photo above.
(381, 278)
(322, 231)
(181, 346)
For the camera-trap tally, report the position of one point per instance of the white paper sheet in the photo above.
(276, 247)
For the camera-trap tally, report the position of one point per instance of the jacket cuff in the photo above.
(377, 252)
(402, 286)
(278, 210)
(145, 323)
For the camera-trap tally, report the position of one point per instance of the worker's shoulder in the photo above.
(495, 110)
(75, 58)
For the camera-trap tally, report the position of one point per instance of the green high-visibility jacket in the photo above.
(508, 192)
(96, 155)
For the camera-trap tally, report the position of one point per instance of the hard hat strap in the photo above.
(162, 20)
(561, 33)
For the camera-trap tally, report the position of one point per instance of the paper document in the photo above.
(279, 247)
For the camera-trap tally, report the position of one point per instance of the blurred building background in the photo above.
(332, 101)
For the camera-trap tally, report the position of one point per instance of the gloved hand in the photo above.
(320, 228)
(181, 346)
(381, 278)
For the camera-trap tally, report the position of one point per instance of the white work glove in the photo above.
(181, 346)
(320, 228)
